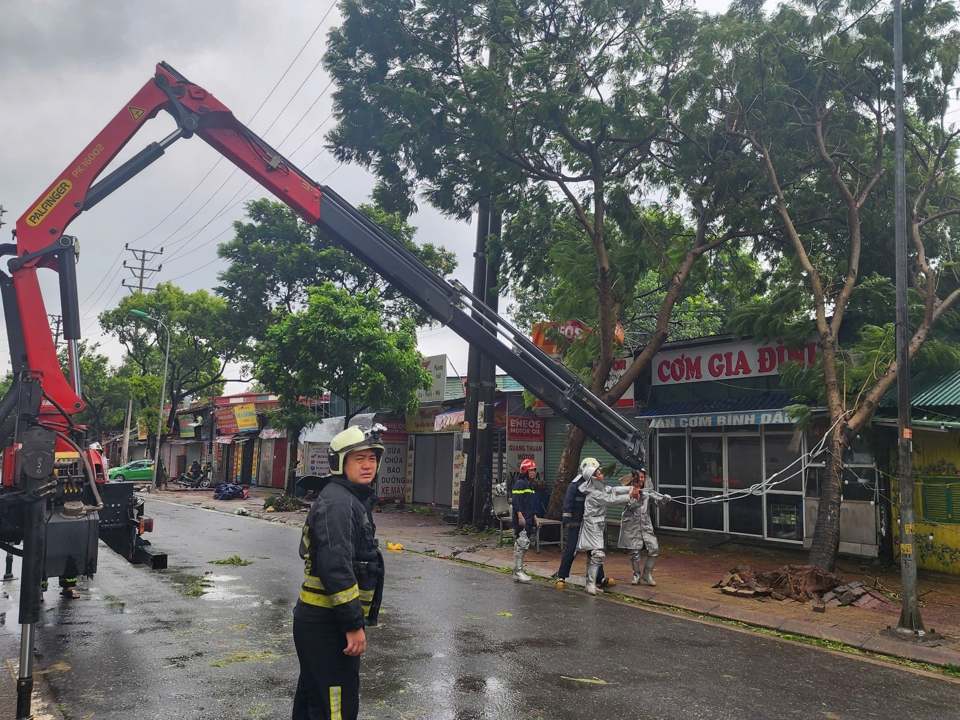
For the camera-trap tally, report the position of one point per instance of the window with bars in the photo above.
(940, 499)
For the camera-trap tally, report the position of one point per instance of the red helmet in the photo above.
(527, 465)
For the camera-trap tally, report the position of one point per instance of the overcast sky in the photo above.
(68, 66)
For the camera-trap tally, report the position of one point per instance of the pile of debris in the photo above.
(802, 583)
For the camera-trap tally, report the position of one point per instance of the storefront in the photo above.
(721, 439)
(705, 457)
(435, 461)
(272, 472)
(314, 447)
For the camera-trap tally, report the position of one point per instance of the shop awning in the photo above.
(765, 409)
(448, 419)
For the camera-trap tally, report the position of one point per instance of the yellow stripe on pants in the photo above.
(336, 703)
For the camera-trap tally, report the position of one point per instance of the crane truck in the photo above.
(54, 501)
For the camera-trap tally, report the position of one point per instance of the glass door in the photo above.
(707, 480)
(744, 470)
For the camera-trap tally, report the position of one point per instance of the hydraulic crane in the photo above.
(49, 505)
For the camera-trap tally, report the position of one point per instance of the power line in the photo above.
(279, 115)
(219, 160)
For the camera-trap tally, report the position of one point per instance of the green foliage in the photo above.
(282, 503)
(801, 102)
(551, 110)
(276, 257)
(198, 324)
(106, 390)
(338, 343)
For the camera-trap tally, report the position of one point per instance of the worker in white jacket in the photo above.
(598, 498)
(636, 526)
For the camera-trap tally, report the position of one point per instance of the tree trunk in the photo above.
(569, 462)
(826, 536)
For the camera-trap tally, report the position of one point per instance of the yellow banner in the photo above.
(141, 430)
(246, 416)
(420, 423)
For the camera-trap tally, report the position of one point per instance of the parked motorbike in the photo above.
(186, 480)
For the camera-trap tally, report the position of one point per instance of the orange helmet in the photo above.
(527, 465)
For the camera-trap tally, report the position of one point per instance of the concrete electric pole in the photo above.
(910, 625)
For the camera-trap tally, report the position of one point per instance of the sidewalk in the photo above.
(687, 570)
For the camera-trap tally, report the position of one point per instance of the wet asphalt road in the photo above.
(455, 642)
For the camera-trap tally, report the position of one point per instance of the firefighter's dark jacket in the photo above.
(573, 503)
(343, 567)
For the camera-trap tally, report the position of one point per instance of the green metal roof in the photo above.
(453, 390)
(505, 383)
(454, 387)
(929, 391)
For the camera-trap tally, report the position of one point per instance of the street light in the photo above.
(163, 393)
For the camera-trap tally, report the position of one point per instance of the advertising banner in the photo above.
(141, 430)
(392, 478)
(226, 421)
(187, 430)
(459, 469)
(396, 429)
(755, 417)
(525, 440)
(437, 367)
(246, 415)
(315, 460)
(543, 337)
(422, 422)
(408, 489)
(617, 371)
(727, 361)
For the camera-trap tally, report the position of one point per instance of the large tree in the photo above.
(105, 391)
(807, 94)
(199, 327)
(556, 103)
(338, 343)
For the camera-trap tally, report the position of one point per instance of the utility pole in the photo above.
(483, 470)
(141, 272)
(910, 624)
(468, 488)
(125, 451)
(56, 328)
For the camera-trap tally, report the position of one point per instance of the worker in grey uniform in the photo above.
(598, 498)
(636, 526)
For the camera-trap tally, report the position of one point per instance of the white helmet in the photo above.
(589, 462)
(353, 439)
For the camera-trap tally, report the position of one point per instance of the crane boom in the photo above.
(52, 491)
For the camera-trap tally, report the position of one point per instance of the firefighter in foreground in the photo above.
(636, 526)
(524, 517)
(343, 581)
(597, 498)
